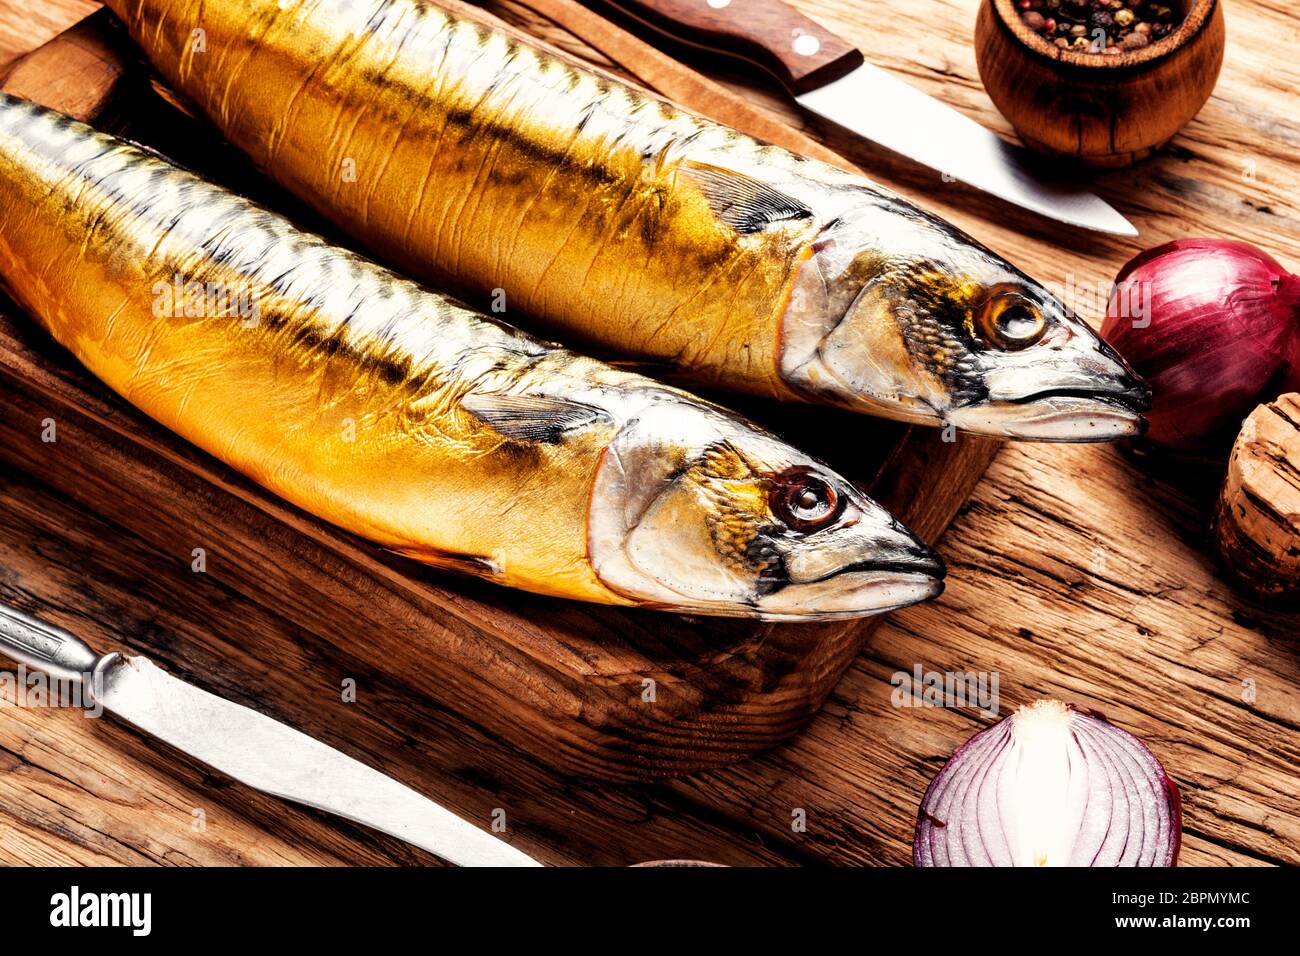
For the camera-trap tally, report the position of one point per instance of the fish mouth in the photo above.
(871, 586)
(1067, 415)
(1134, 398)
(921, 561)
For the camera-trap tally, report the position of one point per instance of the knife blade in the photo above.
(251, 747)
(831, 79)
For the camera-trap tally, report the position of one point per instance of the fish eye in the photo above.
(1009, 321)
(804, 501)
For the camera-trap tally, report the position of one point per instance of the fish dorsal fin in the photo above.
(742, 202)
(537, 418)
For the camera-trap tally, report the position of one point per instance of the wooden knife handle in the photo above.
(802, 54)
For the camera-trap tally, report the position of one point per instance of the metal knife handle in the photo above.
(802, 54)
(43, 646)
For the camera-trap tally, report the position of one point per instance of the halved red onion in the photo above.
(1050, 785)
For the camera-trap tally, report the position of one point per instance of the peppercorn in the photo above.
(1105, 24)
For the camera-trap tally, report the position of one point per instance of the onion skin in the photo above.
(973, 813)
(1176, 808)
(1223, 336)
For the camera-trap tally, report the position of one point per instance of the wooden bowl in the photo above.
(1103, 110)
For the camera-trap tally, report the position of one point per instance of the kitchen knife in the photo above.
(829, 78)
(251, 747)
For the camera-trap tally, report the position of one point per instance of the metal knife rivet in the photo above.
(805, 44)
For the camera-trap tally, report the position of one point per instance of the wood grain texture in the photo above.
(1106, 111)
(25, 26)
(1073, 572)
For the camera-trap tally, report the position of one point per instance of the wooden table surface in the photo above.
(1074, 573)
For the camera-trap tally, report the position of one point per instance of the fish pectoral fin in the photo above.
(742, 202)
(538, 418)
(172, 98)
(662, 370)
(471, 564)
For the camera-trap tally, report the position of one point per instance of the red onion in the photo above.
(1214, 328)
(1050, 785)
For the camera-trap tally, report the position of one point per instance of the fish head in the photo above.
(923, 324)
(695, 510)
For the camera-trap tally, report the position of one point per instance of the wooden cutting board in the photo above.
(601, 692)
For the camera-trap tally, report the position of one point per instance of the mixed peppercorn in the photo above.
(1100, 26)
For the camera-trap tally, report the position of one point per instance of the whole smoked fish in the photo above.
(404, 417)
(627, 227)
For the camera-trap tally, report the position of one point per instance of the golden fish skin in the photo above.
(624, 225)
(404, 417)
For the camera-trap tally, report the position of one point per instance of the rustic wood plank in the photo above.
(92, 66)
(25, 26)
